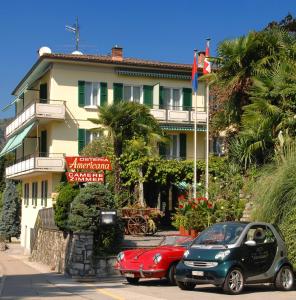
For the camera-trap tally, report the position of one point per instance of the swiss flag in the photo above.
(207, 64)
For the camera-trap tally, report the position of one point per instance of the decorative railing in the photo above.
(52, 109)
(178, 114)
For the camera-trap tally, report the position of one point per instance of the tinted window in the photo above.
(220, 234)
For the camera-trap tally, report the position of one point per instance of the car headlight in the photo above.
(120, 256)
(222, 254)
(186, 253)
(157, 258)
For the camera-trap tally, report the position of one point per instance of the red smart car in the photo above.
(157, 262)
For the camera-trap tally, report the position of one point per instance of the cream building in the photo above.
(61, 91)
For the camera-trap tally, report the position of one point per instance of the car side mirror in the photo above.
(250, 243)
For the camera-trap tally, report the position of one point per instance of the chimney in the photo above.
(116, 53)
(201, 58)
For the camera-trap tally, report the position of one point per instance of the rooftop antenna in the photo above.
(75, 29)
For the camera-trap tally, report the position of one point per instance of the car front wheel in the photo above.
(132, 280)
(284, 279)
(234, 282)
(186, 286)
(171, 274)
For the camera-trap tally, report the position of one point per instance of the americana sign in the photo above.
(85, 177)
(78, 164)
(88, 163)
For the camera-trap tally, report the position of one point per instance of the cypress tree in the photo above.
(10, 225)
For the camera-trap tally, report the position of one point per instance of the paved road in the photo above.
(30, 281)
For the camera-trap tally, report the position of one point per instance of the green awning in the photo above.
(16, 141)
(183, 127)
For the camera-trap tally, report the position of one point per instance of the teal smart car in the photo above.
(233, 254)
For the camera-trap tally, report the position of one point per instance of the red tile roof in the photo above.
(106, 59)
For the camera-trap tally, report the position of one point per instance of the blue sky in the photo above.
(165, 30)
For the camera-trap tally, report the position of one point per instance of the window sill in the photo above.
(94, 107)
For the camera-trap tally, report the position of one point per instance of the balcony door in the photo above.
(43, 144)
(43, 93)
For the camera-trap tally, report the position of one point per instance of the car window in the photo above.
(260, 234)
(220, 234)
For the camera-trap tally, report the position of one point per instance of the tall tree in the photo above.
(10, 220)
(125, 121)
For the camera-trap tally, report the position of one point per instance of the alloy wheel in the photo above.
(235, 281)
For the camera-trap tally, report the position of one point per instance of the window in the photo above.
(85, 137)
(172, 148)
(34, 193)
(172, 98)
(26, 194)
(90, 136)
(44, 191)
(260, 234)
(91, 94)
(132, 93)
(176, 148)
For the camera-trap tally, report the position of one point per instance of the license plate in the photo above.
(197, 273)
(129, 275)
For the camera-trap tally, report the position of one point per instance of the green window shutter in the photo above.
(187, 98)
(43, 93)
(183, 145)
(103, 93)
(81, 93)
(161, 97)
(117, 92)
(148, 95)
(81, 139)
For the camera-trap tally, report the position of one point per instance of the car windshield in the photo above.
(220, 234)
(176, 240)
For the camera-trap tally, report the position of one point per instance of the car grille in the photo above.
(200, 264)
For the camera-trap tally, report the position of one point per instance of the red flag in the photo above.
(207, 64)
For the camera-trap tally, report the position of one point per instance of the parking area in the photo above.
(160, 290)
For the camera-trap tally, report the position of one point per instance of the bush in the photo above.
(84, 216)
(288, 228)
(66, 195)
(85, 210)
(108, 240)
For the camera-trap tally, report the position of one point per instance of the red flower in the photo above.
(181, 206)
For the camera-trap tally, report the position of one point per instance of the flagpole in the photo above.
(195, 141)
(195, 136)
(207, 136)
(207, 143)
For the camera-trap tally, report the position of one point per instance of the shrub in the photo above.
(84, 216)
(66, 195)
(288, 228)
(108, 240)
(85, 210)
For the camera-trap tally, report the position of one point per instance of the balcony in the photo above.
(178, 115)
(53, 162)
(52, 110)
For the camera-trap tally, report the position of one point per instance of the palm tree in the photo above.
(124, 122)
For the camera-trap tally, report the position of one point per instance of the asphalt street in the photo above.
(26, 280)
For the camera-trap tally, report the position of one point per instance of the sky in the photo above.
(164, 30)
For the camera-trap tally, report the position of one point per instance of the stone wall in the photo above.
(51, 249)
(71, 254)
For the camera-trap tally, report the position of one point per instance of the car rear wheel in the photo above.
(234, 282)
(171, 274)
(186, 286)
(132, 280)
(284, 279)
